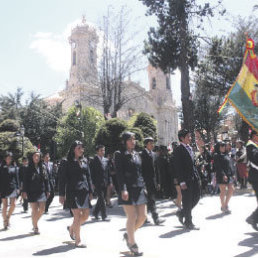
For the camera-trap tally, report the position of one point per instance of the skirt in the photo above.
(39, 198)
(136, 197)
(78, 200)
(14, 194)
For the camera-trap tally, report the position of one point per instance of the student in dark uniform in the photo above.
(252, 157)
(51, 177)
(101, 179)
(131, 188)
(9, 187)
(224, 175)
(75, 187)
(36, 188)
(22, 172)
(151, 178)
(187, 177)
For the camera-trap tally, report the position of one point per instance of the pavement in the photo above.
(219, 235)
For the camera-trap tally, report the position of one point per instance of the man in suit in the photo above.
(188, 178)
(252, 156)
(151, 178)
(101, 179)
(51, 178)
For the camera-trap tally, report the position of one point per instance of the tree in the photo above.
(174, 44)
(10, 140)
(121, 57)
(109, 134)
(78, 125)
(147, 125)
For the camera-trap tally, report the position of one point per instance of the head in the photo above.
(149, 143)
(184, 136)
(76, 151)
(46, 157)
(254, 136)
(100, 150)
(25, 161)
(239, 144)
(220, 147)
(128, 140)
(36, 158)
(228, 146)
(8, 158)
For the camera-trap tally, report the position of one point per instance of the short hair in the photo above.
(98, 147)
(44, 154)
(147, 140)
(218, 145)
(24, 158)
(182, 133)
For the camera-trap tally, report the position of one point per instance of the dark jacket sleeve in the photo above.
(17, 179)
(25, 179)
(93, 171)
(120, 171)
(46, 178)
(89, 179)
(1, 180)
(218, 166)
(62, 178)
(252, 154)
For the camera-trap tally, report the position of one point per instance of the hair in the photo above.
(31, 163)
(7, 154)
(125, 136)
(71, 155)
(252, 134)
(24, 158)
(218, 145)
(45, 154)
(182, 133)
(147, 140)
(100, 146)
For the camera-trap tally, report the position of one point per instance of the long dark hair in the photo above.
(71, 155)
(217, 147)
(31, 163)
(8, 154)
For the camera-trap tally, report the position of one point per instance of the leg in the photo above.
(152, 206)
(108, 195)
(131, 215)
(103, 203)
(222, 196)
(229, 193)
(141, 213)
(179, 197)
(76, 225)
(11, 208)
(187, 204)
(4, 211)
(50, 199)
(34, 214)
(41, 210)
(84, 215)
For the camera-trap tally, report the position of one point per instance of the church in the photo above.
(82, 86)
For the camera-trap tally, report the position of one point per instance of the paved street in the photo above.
(219, 236)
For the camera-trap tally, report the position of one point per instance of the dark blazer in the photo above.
(9, 180)
(50, 172)
(74, 180)
(22, 171)
(184, 166)
(222, 167)
(128, 170)
(149, 171)
(100, 173)
(252, 156)
(35, 184)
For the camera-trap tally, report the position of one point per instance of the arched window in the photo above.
(168, 82)
(153, 83)
(91, 56)
(74, 58)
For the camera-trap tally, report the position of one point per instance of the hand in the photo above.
(90, 196)
(62, 199)
(183, 186)
(48, 194)
(125, 195)
(158, 187)
(24, 195)
(225, 178)
(111, 186)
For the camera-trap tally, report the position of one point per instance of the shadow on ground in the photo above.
(217, 216)
(174, 233)
(58, 249)
(17, 237)
(250, 242)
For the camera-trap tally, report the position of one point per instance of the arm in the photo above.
(120, 171)
(89, 179)
(62, 178)
(17, 181)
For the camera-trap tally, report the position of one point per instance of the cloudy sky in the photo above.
(35, 53)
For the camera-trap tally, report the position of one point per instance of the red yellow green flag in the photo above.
(243, 94)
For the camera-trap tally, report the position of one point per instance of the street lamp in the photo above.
(78, 105)
(22, 131)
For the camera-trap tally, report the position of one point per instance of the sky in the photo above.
(35, 53)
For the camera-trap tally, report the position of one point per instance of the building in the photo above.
(83, 86)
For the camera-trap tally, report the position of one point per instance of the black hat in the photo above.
(148, 139)
(126, 136)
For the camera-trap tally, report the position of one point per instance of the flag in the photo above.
(243, 94)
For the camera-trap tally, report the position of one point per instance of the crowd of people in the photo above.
(183, 174)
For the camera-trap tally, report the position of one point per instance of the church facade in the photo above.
(82, 86)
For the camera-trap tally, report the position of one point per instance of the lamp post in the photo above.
(22, 131)
(78, 105)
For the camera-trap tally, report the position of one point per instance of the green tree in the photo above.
(78, 125)
(147, 125)
(109, 134)
(10, 140)
(174, 44)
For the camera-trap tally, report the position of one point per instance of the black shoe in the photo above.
(106, 219)
(159, 221)
(134, 250)
(146, 221)
(191, 227)
(71, 236)
(252, 222)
